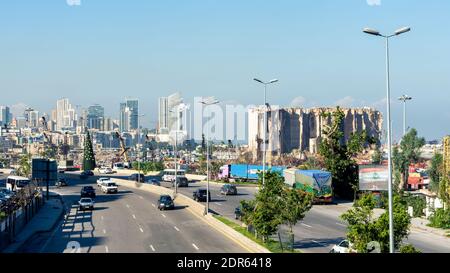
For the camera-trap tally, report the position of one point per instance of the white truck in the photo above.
(102, 180)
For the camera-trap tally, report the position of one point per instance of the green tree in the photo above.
(363, 228)
(266, 214)
(377, 157)
(408, 153)
(338, 155)
(24, 166)
(88, 156)
(409, 249)
(295, 205)
(435, 171)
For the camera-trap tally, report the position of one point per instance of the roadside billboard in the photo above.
(373, 178)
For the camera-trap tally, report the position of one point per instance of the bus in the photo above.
(169, 174)
(16, 183)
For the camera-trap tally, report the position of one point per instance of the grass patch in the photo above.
(271, 245)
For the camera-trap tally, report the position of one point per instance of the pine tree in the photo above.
(89, 157)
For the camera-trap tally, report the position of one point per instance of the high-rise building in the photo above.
(171, 116)
(33, 119)
(65, 115)
(5, 115)
(95, 117)
(129, 111)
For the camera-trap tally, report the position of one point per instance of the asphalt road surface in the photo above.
(128, 222)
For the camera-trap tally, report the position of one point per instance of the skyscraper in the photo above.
(5, 115)
(169, 117)
(95, 116)
(65, 115)
(129, 111)
(163, 115)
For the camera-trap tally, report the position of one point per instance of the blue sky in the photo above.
(105, 50)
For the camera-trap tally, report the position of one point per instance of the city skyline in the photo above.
(150, 61)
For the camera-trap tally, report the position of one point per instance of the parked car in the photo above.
(135, 177)
(228, 189)
(342, 247)
(200, 195)
(165, 202)
(86, 203)
(102, 180)
(62, 182)
(154, 182)
(182, 182)
(105, 170)
(86, 174)
(6, 194)
(109, 187)
(88, 191)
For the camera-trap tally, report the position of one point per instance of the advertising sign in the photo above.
(373, 178)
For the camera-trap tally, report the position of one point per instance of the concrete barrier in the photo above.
(198, 210)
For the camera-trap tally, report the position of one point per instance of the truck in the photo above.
(66, 165)
(314, 181)
(244, 172)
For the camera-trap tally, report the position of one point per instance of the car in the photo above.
(109, 187)
(86, 203)
(61, 171)
(62, 182)
(342, 247)
(228, 189)
(137, 177)
(102, 180)
(200, 195)
(6, 194)
(88, 191)
(154, 182)
(182, 182)
(165, 202)
(86, 174)
(105, 170)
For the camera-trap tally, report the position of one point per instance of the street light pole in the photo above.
(209, 101)
(175, 151)
(404, 99)
(389, 131)
(265, 123)
(139, 147)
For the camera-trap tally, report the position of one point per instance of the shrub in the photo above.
(440, 219)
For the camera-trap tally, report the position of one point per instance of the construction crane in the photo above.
(123, 151)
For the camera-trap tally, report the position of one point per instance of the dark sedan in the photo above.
(88, 191)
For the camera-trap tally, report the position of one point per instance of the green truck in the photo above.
(313, 181)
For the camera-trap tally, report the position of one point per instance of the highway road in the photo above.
(129, 222)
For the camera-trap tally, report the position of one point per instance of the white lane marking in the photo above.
(141, 197)
(196, 247)
(306, 225)
(141, 230)
(134, 217)
(104, 231)
(151, 246)
(154, 205)
(102, 217)
(177, 229)
(218, 204)
(342, 225)
(128, 206)
(163, 215)
(106, 249)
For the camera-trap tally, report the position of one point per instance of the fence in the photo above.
(15, 214)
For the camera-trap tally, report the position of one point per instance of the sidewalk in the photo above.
(44, 221)
(421, 224)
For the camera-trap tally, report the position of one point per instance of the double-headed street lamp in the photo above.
(207, 102)
(388, 95)
(404, 99)
(265, 122)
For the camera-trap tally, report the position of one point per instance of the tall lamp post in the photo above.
(175, 151)
(207, 102)
(404, 99)
(265, 122)
(139, 146)
(389, 132)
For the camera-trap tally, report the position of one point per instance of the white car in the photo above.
(342, 247)
(102, 180)
(105, 170)
(109, 187)
(86, 203)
